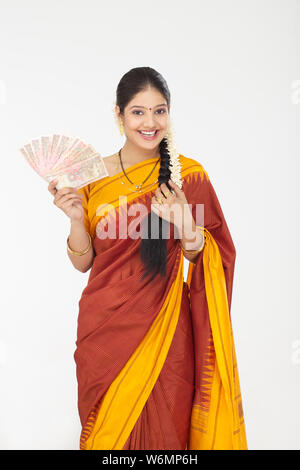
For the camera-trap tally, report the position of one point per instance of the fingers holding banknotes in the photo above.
(68, 200)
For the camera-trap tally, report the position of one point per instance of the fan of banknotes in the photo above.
(68, 159)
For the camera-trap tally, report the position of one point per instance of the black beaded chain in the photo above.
(139, 185)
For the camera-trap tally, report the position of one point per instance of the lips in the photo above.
(149, 137)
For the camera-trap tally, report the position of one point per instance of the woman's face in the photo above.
(138, 117)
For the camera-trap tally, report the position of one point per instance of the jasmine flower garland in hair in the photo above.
(174, 157)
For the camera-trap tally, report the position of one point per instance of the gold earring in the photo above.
(121, 128)
(117, 119)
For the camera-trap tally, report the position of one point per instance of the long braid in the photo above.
(153, 251)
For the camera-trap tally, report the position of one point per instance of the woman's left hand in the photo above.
(172, 206)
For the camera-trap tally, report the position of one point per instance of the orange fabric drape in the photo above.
(156, 363)
(217, 420)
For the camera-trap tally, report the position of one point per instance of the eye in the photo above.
(138, 111)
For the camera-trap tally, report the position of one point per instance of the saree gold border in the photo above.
(221, 432)
(216, 435)
(113, 179)
(188, 167)
(128, 393)
(200, 409)
(194, 173)
(215, 286)
(215, 290)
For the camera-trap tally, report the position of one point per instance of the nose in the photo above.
(149, 119)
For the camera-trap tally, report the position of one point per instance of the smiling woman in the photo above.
(155, 356)
(134, 120)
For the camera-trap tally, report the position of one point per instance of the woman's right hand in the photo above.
(68, 200)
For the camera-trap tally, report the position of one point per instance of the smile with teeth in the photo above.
(148, 133)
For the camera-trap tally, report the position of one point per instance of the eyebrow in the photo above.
(135, 106)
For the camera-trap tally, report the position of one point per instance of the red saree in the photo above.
(155, 360)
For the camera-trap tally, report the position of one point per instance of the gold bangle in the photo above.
(192, 252)
(79, 253)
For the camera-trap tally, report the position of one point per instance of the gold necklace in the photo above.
(139, 186)
(132, 190)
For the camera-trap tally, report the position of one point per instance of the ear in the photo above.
(117, 111)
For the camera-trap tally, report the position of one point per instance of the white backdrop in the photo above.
(234, 75)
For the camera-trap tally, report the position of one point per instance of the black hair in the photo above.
(153, 252)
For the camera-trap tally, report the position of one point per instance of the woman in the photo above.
(155, 357)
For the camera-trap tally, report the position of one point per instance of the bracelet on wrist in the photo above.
(79, 253)
(192, 252)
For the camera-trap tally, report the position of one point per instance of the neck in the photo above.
(131, 154)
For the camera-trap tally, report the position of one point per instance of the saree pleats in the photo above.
(155, 360)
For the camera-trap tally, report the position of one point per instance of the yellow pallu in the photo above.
(222, 426)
